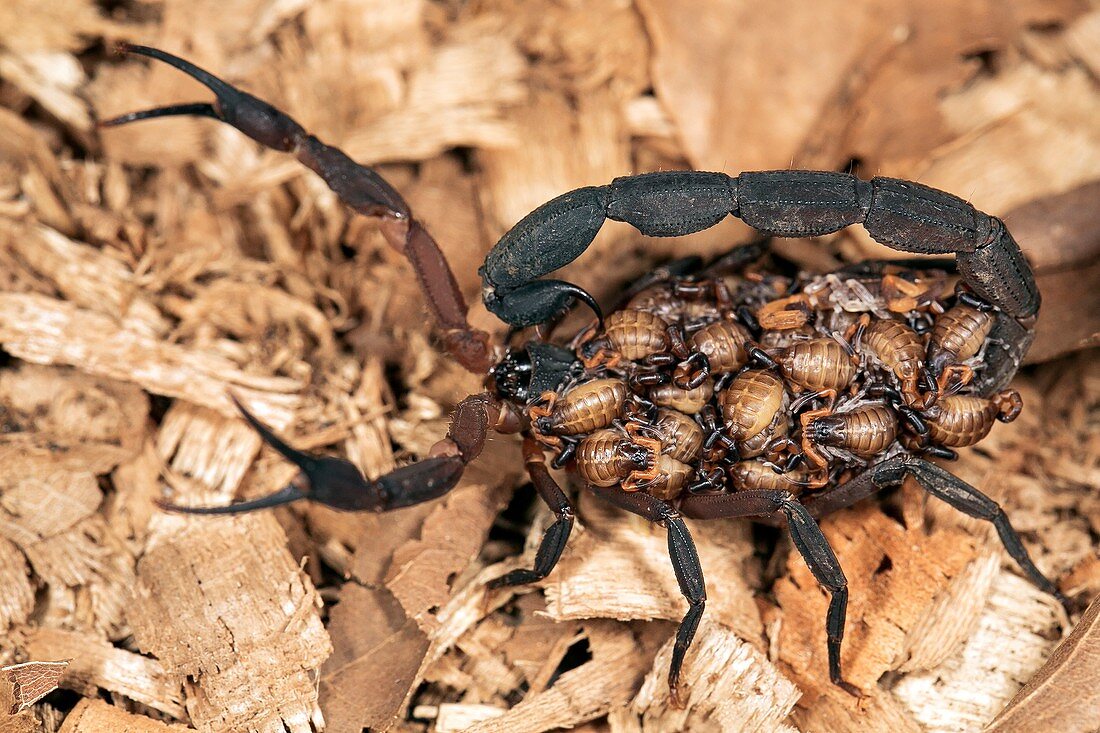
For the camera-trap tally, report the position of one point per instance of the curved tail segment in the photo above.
(906, 216)
(359, 187)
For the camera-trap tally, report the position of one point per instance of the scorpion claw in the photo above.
(302, 460)
(252, 116)
(284, 496)
(192, 109)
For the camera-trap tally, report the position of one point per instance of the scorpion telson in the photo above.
(720, 390)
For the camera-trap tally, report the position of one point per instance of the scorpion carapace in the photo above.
(735, 389)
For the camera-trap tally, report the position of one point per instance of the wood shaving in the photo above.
(148, 271)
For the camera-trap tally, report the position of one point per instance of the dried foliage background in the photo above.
(145, 270)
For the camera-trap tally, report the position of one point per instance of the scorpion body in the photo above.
(818, 365)
(636, 334)
(594, 399)
(587, 407)
(963, 420)
(681, 436)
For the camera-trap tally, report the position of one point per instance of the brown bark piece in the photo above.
(1061, 233)
(834, 711)
(95, 663)
(894, 576)
(47, 331)
(422, 572)
(729, 686)
(97, 716)
(619, 567)
(1015, 634)
(222, 603)
(1064, 695)
(378, 654)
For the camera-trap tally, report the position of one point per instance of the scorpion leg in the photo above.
(337, 483)
(360, 187)
(943, 485)
(808, 540)
(685, 563)
(556, 535)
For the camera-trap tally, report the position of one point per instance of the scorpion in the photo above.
(717, 390)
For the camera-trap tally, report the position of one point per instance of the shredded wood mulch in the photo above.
(146, 271)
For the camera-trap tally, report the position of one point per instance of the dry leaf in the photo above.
(32, 681)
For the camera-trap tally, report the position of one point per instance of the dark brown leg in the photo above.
(685, 563)
(808, 540)
(360, 187)
(943, 485)
(557, 534)
(337, 483)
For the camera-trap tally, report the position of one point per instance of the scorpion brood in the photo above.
(729, 390)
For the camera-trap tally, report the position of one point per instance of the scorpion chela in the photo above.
(715, 390)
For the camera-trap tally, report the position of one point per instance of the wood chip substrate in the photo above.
(148, 272)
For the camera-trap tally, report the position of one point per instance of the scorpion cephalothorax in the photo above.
(809, 392)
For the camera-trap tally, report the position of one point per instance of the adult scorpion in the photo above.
(726, 349)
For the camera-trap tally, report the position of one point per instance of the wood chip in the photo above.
(47, 331)
(581, 694)
(731, 686)
(97, 716)
(1064, 694)
(1013, 637)
(95, 663)
(17, 600)
(223, 604)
